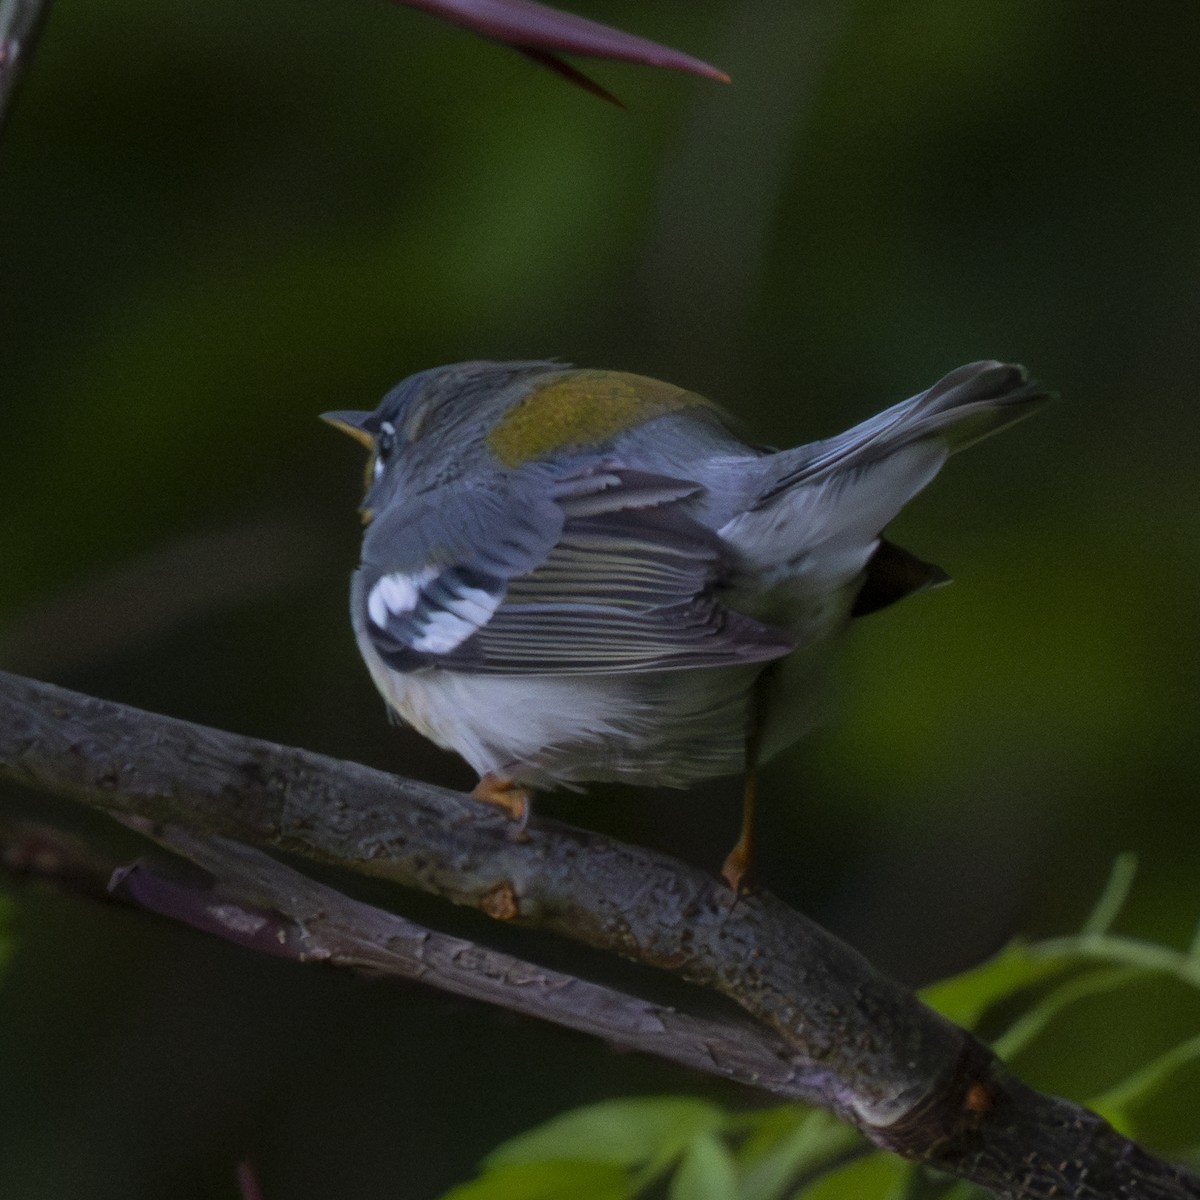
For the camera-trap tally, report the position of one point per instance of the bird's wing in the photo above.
(603, 573)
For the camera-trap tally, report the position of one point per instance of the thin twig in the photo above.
(257, 902)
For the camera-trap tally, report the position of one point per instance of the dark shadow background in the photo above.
(218, 220)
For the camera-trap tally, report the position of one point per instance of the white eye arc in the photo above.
(385, 443)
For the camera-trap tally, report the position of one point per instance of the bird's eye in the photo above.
(385, 443)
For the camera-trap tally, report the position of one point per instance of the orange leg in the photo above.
(504, 794)
(738, 860)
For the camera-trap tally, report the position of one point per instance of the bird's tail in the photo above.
(819, 514)
(970, 403)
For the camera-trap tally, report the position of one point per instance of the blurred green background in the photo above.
(218, 220)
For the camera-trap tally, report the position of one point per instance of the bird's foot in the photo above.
(736, 868)
(508, 796)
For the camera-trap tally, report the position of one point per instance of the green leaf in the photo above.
(762, 1129)
(1112, 899)
(964, 1191)
(876, 1177)
(966, 998)
(1117, 1104)
(706, 1172)
(788, 1143)
(546, 1181)
(621, 1132)
(1033, 1023)
(1126, 951)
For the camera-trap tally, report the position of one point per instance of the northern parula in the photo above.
(580, 575)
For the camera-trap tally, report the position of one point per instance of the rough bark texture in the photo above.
(255, 901)
(861, 1044)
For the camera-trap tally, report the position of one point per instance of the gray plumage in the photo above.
(572, 575)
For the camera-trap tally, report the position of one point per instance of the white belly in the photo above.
(668, 729)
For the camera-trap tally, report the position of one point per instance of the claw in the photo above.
(506, 795)
(738, 861)
(735, 867)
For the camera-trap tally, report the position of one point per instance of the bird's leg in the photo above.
(505, 794)
(738, 860)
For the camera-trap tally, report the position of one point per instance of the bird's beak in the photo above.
(354, 423)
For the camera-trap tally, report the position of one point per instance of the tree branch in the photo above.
(863, 1045)
(254, 901)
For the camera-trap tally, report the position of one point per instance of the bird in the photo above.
(571, 576)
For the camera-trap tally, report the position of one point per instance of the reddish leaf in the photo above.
(571, 74)
(248, 1183)
(539, 30)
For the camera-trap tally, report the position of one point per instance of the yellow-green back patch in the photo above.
(581, 408)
